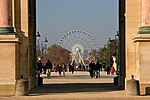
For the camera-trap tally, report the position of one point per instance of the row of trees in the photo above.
(60, 55)
(109, 50)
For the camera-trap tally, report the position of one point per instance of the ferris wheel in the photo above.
(79, 43)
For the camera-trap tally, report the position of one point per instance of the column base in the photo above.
(145, 89)
(8, 62)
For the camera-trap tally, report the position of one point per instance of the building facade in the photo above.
(17, 42)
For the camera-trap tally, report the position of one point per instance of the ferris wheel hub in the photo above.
(77, 49)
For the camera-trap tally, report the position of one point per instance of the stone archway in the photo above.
(18, 39)
(23, 41)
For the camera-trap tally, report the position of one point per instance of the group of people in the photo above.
(48, 67)
(63, 68)
(95, 69)
(44, 69)
(60, 68)
(110, 69)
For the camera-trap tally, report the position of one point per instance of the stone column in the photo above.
(6, 16)
(142, 48)
(145, 16)
(9, 44)
(145, 13)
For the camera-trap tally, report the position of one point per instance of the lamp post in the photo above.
(46, 41)
(38, 44)
(109, 45)
(117, 49)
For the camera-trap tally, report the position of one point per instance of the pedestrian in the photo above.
(83, 67)
(97, 69)
(112, 70)
(92, 69)
(108, 70)
(49, 67)
(59, 69)
(39, 66)
(63, 69)
(72, 68)
(55, 68)
(44, 69)
(101, 66)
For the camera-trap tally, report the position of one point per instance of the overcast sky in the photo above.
(97, 17)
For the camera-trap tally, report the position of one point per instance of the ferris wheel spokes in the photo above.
(81, 40)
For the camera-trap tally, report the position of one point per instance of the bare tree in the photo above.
(58, 55)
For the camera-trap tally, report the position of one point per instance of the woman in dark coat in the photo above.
(97, 69)
(39, 66)
(49, 67)
(92, 69)
(108, 70)
(59, 69)
(72, 68)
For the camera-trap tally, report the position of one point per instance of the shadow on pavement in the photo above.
(74, 88)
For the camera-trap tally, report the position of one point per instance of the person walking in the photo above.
(97, 69)
(92, 69)
(55, 68)
(101, 66)
(112, 70)
(108, 70)
(72, 68)
(59, 69)
(39, 66)
(49, 67)
(63, 69)
(44, 69)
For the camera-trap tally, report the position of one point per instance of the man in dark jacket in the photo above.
(49, 67)
(39, 66)
(92, 69)
(97, 69)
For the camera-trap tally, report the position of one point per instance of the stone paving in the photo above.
(77, 86)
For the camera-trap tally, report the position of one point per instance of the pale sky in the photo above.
(97, 17)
